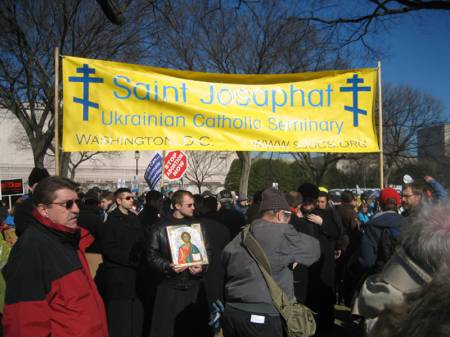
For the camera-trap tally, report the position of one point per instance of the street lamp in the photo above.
(137, 155)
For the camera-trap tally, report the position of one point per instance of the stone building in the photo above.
(104, 170)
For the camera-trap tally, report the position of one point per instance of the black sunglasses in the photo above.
(68, 204)
(129, 198)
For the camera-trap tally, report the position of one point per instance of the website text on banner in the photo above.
(110, 106)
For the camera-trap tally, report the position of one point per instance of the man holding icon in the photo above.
(179, 298)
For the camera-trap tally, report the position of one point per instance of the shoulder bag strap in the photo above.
(279, 298)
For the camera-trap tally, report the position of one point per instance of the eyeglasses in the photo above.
(188, 205)
(130, 197)
(68, 204)
(286, 213)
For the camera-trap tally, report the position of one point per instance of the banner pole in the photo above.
(56, 111)
(162, 170)
(380, 125)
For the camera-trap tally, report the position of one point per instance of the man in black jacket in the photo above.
(180, 309)
(152, 208)
(381, 233)
(122, 242)
(22, 215)
(321, 281)
(228, 215)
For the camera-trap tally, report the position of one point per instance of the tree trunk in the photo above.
(38, 147)
(245, 161)
(387, 175)
(64, 164)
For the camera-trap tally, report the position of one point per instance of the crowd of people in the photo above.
(102, 263)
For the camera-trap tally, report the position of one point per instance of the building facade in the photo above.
(107, 170)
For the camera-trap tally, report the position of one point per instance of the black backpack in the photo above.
(386, 247)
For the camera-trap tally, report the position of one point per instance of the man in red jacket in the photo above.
(49, 289)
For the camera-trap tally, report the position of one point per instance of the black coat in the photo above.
(90, 218)
(149, 216)
(301, 271)
(218, 236)
(122, 244)
(231, 218)
(327, 234)
(159, 257)
(180, 308)
(321, 294)
(22, 215)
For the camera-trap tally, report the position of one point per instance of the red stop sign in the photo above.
(175, 165)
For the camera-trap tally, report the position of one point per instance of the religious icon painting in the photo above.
(187, 245)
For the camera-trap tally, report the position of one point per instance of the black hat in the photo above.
(309, 192)
(36, 175)
(272, 199)
(225, 195)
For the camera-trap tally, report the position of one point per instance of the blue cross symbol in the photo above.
(355, 89)
(85, 79)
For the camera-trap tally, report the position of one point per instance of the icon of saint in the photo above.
(188, 252)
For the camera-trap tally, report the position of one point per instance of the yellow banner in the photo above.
(111, 106)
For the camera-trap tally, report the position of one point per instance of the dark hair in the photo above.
(121, 190)
(210, 204)
(152, 196)
(390, 205)
(177, 197)
(257, 197)
(416, 188)
(324, 194)
(347, 196)
(108, 195)
(363, 205)
(44, 193)
(294, 198)
(37, 174)
(309, 192)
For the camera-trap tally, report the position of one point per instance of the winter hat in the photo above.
(36, 175)
(309, 192)
(389, 193)
(225, 195)
(272, 199)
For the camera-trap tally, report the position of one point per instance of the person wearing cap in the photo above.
(249, 310)
(242, 204)
(321, 294)
(22, 216)
(384, 225)
(228, 215)
(152, 208)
